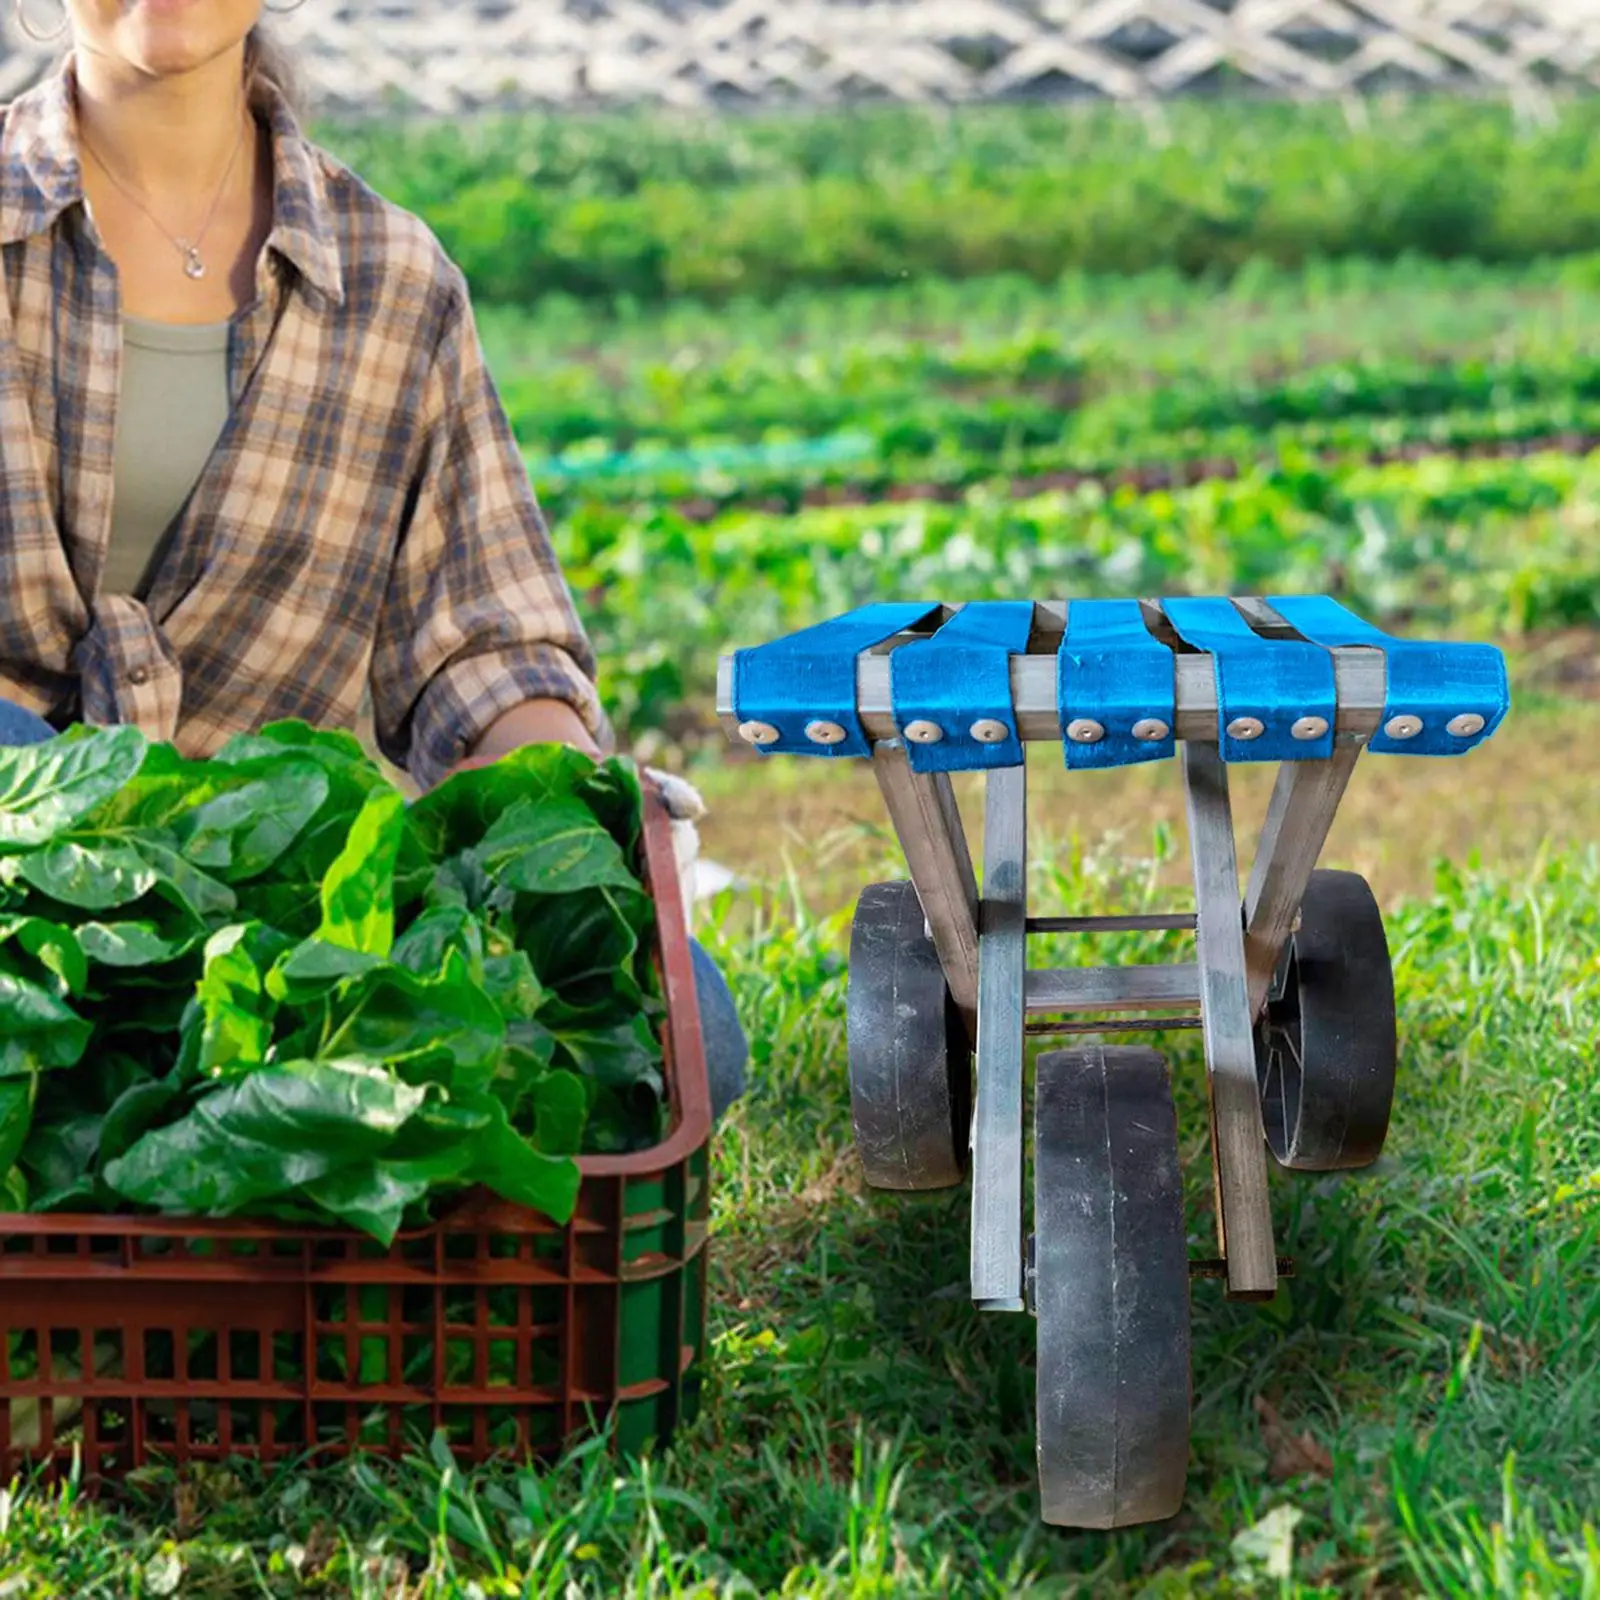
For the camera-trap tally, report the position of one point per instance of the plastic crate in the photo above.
(259, 1341)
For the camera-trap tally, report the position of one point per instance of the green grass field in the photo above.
(1418, 1409)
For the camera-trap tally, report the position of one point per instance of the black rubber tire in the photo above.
(1325, 1047)
(1111, 1289)
(910, 1060)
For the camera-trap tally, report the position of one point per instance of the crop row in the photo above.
(1486, 547)
(1157, 322)
(847, 469)
(653, 209)
(914, 404)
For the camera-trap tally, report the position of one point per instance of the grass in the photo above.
(1416, 1412)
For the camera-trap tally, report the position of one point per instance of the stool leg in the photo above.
(1303, 807)
(1238, 1139)
(997, 1220)
(922, 807)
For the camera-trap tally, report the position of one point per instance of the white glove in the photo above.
(683, 800)
(698, 878)
(684, 805)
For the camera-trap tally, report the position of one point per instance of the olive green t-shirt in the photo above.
(171, 412)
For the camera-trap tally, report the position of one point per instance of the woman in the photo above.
(251, 462)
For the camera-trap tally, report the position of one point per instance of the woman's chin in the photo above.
(170, 52)
(169, 36)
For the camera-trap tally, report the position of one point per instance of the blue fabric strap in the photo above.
(1113, 671)
(810, 676)
(1435, 683)
(1276, 682)
(957, 678)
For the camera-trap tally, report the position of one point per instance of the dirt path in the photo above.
(1536, 781)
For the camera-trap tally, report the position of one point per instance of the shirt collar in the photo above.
(40, 177)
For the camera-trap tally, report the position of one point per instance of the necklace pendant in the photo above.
(193, 265)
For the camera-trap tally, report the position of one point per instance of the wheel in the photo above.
(1325, 1047)
(910, 1060)
(1111, 1289)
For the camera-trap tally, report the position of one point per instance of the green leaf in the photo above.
(456, 814)
(374, 1197)
(45, 788)
(37, 1031)
(425, 945)
(289, 896)
(618, 1056)
(81, 1195)
(265, 1135)
(235, 1012)
(93, 877)
(440, 1125)
(313, 969)
(165, 787)
(242, 832)
(463, 884)
(358, 892)
(553, 846)
(437, 1149)
(509, 980)
(56, 948)
(60, 1156)
(613, 792)
(573, 938)
(16, 1116)
(137, 1109)
(561, 1110)
(509, 1165)
(393, 1016)
(14, 1193)
(184, 885)
(332, 749)
(131, 944)
(261, 1039)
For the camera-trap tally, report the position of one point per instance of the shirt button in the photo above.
(139, 677)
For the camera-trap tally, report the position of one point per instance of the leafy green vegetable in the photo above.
(45, 788)
(95, 879)
(264, 1135)
(358, 892)
(262, 984)
(16, 1116)
(241, 832)
(37, 1031)
(58, 950)
(552, 846)
(129, 944)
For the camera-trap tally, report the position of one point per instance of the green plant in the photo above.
(262, 984)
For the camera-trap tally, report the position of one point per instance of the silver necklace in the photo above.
(188, 249)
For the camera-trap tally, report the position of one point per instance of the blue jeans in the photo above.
(727, 1049)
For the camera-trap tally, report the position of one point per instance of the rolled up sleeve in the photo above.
(477, 617)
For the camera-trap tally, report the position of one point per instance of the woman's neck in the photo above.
(164, 137)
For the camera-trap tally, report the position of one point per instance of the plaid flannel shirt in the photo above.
(364, 519)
